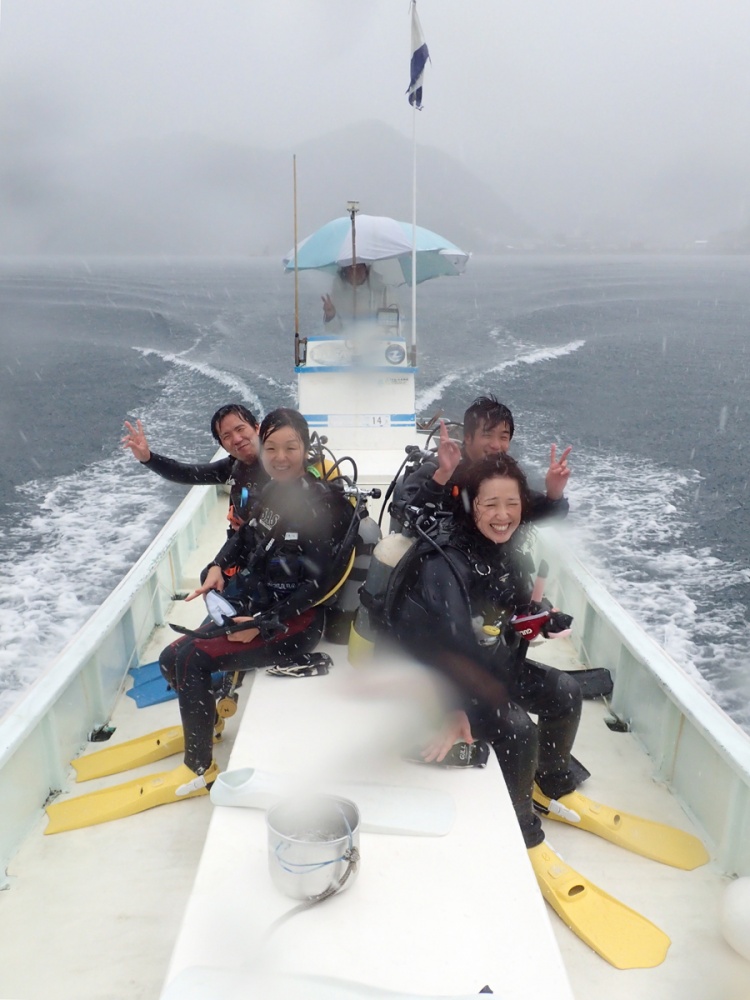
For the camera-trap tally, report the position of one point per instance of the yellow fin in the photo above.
(134, 753)
(127, 799)
(657, 841)
(623, 937)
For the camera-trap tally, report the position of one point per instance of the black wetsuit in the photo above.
(224, 471)
(291, 553)
(419, 488)
(494, 684)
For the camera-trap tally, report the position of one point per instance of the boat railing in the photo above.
(76, 693)
(701, 754)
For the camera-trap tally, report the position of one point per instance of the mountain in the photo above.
(189, 195)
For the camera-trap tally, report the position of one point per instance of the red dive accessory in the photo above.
(539, 616)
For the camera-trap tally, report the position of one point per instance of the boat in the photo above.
(178, 902)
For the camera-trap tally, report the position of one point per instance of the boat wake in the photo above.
(426, 397)
(631, 524)
(231, 382)
(534, 356)
(480, 381)
(74, 538)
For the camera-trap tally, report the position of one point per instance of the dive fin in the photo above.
(621, 936)
(134, 753)
(595, 682)
(417, 812)
(151, 692)
(146, 672)
(129, 798)
(641, 836)
(150, 687)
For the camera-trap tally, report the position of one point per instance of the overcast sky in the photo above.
(558, 101)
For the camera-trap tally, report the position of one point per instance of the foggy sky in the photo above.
(570, 109)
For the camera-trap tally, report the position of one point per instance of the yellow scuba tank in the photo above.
(320, 468)
(386, 556)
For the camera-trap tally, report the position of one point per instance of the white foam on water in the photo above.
(630, 523)
(497, 332)
(427, 396)
(74, 537)
(536, 355)
(73, 540)
(522, 354)
(236, 385)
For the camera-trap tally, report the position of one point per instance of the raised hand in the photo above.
(135, 439)
(448, 456)
(329, 309)
(558, 473)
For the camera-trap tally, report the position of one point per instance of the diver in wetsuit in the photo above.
(235, 428)
(475, 574)
(488, 430)
(291, 552)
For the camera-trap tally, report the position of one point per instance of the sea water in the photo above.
(639, 363)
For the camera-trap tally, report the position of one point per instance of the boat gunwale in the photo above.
(733, 743)
(20, 719)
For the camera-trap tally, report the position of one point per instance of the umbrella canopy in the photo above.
(383, 243)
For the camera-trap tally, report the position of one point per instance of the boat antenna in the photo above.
(352, 208)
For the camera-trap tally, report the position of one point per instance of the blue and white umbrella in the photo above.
(384, 244)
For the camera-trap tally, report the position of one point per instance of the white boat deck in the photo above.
(112, 911)
(426, 915)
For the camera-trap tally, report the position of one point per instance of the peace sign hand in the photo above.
(329, 309)
(136, 440)
(448, 455)
(558, 473)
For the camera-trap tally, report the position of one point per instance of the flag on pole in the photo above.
(419, 56)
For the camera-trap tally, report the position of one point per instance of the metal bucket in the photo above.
(313, 845)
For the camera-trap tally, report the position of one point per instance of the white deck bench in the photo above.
(425, 916)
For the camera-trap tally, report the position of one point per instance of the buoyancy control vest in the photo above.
(494, 587)
(391, 559)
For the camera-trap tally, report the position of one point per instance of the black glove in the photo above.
(558, 622)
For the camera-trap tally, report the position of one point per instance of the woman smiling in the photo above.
(289, 553)
(453, 612)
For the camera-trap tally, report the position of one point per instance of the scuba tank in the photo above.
(377, 595)
(339, 610)
(387, 554)
(340, 616)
